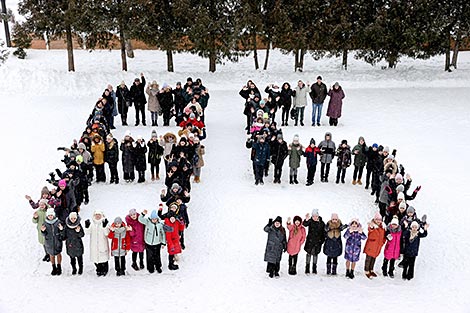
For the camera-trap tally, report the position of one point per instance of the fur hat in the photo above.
(344, 142)
(390, 157)
(297, 218)
(154, 215)
(312, 141)
(50, 211)
(401, 195)
(315, 212)
(377, 216)
(132, 211)
(62, 183)
(394, 221)
(410, 210)
(278, 219)
(398, 177)
(73, 215)
(98, 212)
(400, 188)
(118, 220)
(415, 224)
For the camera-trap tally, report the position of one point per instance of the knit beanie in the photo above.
(50, 211)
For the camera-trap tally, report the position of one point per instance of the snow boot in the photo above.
(291, 270)
(390, 274)
(141, 264)
(157, 177)
(74, 268)
(333, 269)
(59, 270)
(384, 269)
(348, 273)
(46, 258)
(354, 182)
(372, 274)
(291, 179)
(314, 269)
(351, 274)
(134, 266)
(54, 270)
(153, 177)
(359, 182)
(368, 274)
(295, 180)
(328, 268)
(307, 269)
(80, 267)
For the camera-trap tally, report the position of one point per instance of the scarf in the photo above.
(120, 232)
(334, 231)
(51, 222)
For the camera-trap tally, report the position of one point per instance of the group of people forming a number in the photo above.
(292, 101)
(57, 211)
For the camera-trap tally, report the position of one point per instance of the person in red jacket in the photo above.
(120, 244)
(173, 239)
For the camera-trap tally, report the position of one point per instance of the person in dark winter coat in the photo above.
(275, 246)
(318, 93)
(285, 102)
(274, 95)
(352, 247)
(66, 195)
(343, 160)
(124, 101)
(137, 94)
(140, 161)
(179, 101)
(109, 108)
(175, 193)
(327, 150)
(249, 92)
(311, 153)
(52, 231)
(73, 235)
(261, 157)
(315, 239)
(411, 240)
(372, 159)
(278, 151)
(335, 105)
(333, 246)
(359, 151)
(111, 156)
(127, 148)
(165, 97)
(155, 153)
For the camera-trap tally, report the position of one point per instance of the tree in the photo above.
(5, 16)
(3, 53)
(22, 40)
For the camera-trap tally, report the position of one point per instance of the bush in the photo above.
(21, 39)
(3, 53)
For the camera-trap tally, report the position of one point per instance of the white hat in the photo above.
(394, 221)
(402, 205)
(127, 133)
(414, 223)
(401, 195)
(50, 211)
(139, 137)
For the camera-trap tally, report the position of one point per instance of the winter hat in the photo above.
(315, 212)
(189, 79)
(98, 212)
(377, 216)
(410, 210)
(259, 113)
(334, 216)
(139, 137)
(414, 224)
(266, 117)
(401, 195)
(62, 183)
(296, 137)
(132, 211)
(81, 145)
(375, 145)
(312, 141)
(136, 79)
(278, 219)
(44, 201)
(127, 133)
(173, 205)
(386, 149)
(400, 188)
(402, 205)
(398, 177)
(178, 83)
(191, 136)
(50, 211)
(165, 85)
(344, 142)
(319, 77)
(154, 83)
(394, 221)
(336, 84)
(279, 136)
(297, 218)
(192, 115)
(154, 133)
(391, 157)
(118, 220)
(354, 220)
(175, 186)
(73, 215)
(154, 215)
(79, 159)
(262, 102)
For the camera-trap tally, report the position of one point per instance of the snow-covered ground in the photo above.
(418, 109)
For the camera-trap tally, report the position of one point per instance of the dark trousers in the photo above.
(341, 172)
(114, 172)
(383, 210)
(120, 263)
(368, 175)
(333, 121)
(285, 114)
(332, 260)
(100, 174)
(129, 176)
(300, 115)
(182, 240)
(277, 172)
(82, 194)
(139, 107)
(273, 268)
(74, 261)
(408, 267)
(155, 167)
(122, 108)
(325, 170)
(369, 264)
(102, 268)
(311, 173)
(358, 172)
(248, 122)
(141, 257)
(385, 266)
(259, 172)
(293, 261)
(166, 117)
(154, 261)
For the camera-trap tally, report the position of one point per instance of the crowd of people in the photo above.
(57, 212)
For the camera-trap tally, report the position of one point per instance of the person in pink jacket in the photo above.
(296, 239)
(392, 247)
(137, 238)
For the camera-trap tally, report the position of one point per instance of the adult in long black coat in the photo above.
(73, 234)
(279, 153)
(275, 245)
(315, 239)
(111, 156)
(165, 97)
(249, 92)
(127, 148)
(138, 98)
(140, 160)
(285, 102)
(124, 101)
(179, 101)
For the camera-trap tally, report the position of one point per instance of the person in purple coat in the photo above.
(352, 248)
(336, 103)
(137, 238)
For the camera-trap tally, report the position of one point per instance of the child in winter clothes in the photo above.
(173, 239)
(120, 244)
(154, 235)
(73, 235)
(39, 217)
(140, 150)
(311, 154)
(97, 150)
(315, 239)
(136, 235)
(154, 155)
(343, 160)
(392, 247)
(327, 148)
(52, 231)
(352, 247)
(45, 194)
(279, 152)
(411, 239)
(127, 148)
(360, 159)
(296, 239)
(275, 246)
(99, 246)
(81, 191)
(295, 150)
(374, 243)
(333, 245)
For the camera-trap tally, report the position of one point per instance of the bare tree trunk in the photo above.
(169, 61)
(68, 33)
(447, 60)
(266, 58)
(255, 51)
(47, 41)
(5, 23)
(455, 53)
(301, 60)
(122, 40)
(296, 61)
(129, 50)
(345, 60)
(212, 61)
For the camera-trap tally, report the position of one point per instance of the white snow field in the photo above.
(417, 108)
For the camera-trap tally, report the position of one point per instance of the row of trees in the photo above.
(228, 29)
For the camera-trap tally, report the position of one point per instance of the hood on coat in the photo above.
(328, 134)
(359, 140)
(167, 137)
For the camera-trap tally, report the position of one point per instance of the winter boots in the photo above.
(350, 274)
(74, 268)
(134, 266)
(197, 180)
(359, 182)
(354, 182)
(291, 179)
(46, 258)
(314, 269)
(328, 268)
(172, 266)
(307, 269)
(56, 270)
(141, 264)
(295, 180)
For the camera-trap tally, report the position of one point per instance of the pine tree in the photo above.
(21, 39)
(3, 53)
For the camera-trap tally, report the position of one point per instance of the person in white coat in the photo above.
(300, 102)
(99, 246)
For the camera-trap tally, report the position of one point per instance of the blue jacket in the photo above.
(262, 153)
(411, 248)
